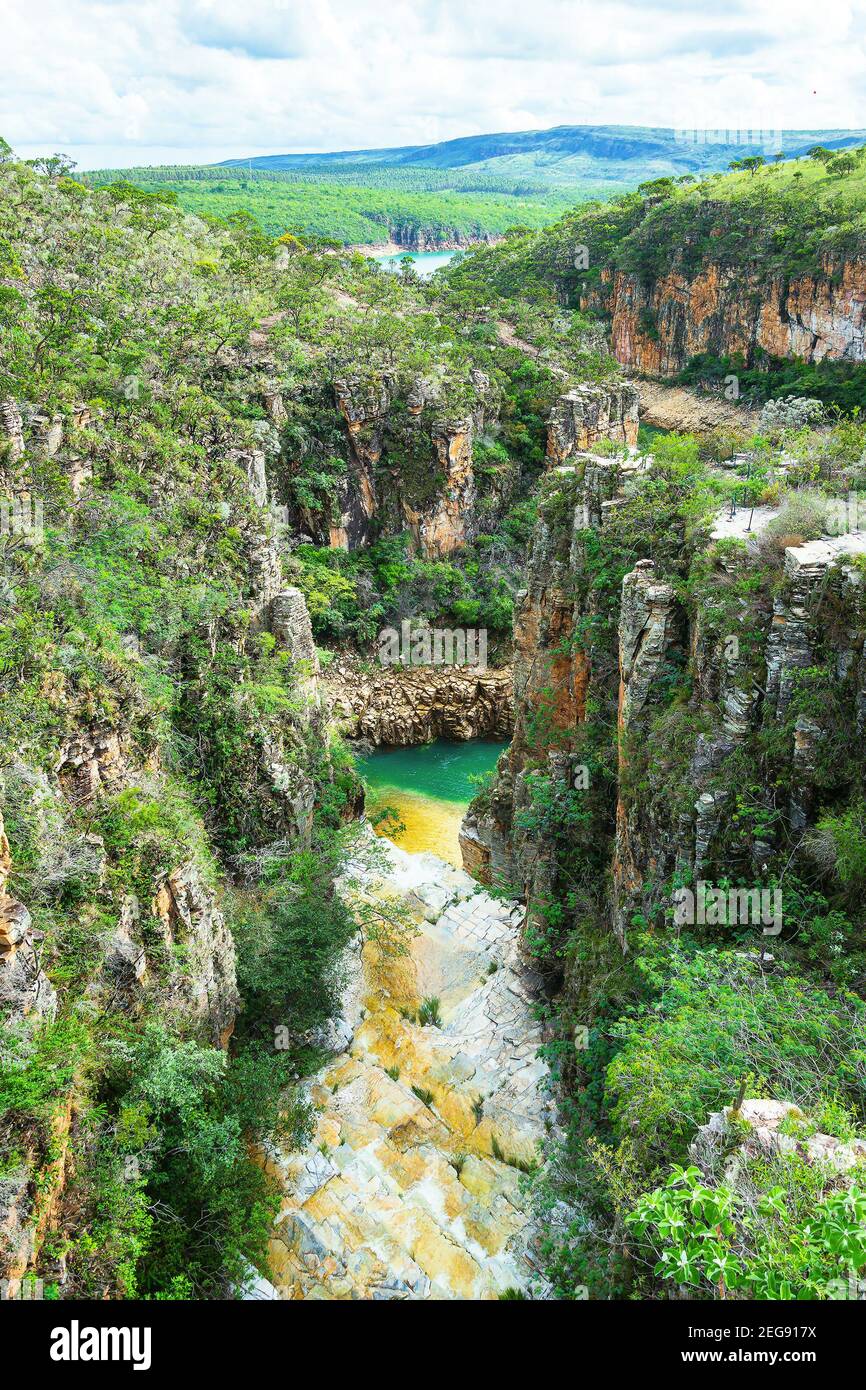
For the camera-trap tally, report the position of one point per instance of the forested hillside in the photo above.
(755, 274)
(366, 204)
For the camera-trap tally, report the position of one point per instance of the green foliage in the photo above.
(791, 1237)
(429, 1012)
(213, 1204)
(718, 1019)
(356, 204)
(290, 938)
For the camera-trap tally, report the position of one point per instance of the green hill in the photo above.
(576, 154)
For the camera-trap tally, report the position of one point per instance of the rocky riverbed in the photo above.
(416, 1181)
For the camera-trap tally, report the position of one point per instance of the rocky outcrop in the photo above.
(27, 998)
(25, 990)
(431, 490)
(792, 637)
(290, 624)
(409, 237)
(12, 435)
(30, 1196)
(589, 413)
(405, 706)
(695, 676)
(758, 1130)
(649, 625)
(205, 988)
(552, 674)
(722, 310)
(252, 461)
(91, 762)
(364, 406)
(441, 528)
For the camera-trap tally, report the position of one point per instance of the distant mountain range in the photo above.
(575, 154)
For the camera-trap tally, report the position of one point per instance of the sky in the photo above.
(124, 82)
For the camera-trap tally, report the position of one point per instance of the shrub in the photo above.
(793, 413)
(720, 1019)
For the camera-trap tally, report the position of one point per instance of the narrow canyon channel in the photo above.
(429, 1122)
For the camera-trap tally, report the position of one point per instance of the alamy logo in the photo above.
(23, 516)
(77, 1343)
(433, 646)
(729, 907)
(770, 141)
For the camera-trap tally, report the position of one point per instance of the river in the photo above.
(431, 1114)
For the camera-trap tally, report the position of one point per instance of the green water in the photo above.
(429, 787)
(425, 262)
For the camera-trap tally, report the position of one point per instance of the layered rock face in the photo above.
(411, 470)
(24, 987)
(406, 706)
(438, 508)
(416, 239)
(411, 1186)
(648, 627)
(722, 311)
(589, 413)
(189, 918)
(697, 677)
(552, 672)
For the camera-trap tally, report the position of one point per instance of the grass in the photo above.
(429, 1012)
(426, 1097)
(523, 1165)
(393, 1072)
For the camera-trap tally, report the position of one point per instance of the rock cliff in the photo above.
(705, 661)
(655, 327)
(403, 707)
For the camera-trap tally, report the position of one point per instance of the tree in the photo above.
(54, 165)
(843, 164)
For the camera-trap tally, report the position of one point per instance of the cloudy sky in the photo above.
(128, 82)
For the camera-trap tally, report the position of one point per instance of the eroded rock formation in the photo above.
(24, 987)
(722, 311)
(185, 908)
(589, 413)
(405, 706)
(696, 677)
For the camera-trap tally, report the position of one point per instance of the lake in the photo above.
(430, 787)
(425, 262)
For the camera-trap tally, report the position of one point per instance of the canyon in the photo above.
(250, 1044)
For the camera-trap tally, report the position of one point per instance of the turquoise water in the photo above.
(425, 262)
(429, 787)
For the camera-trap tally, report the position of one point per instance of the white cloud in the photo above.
(125, 81)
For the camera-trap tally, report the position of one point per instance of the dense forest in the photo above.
(361, 204)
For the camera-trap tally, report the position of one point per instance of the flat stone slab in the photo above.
(413, 1185)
